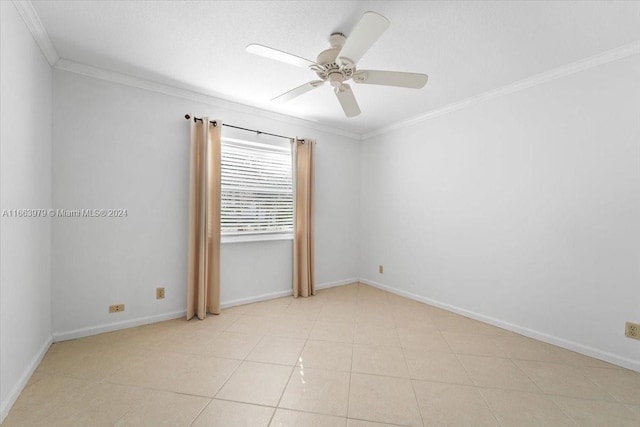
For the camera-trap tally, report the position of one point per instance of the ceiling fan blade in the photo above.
(390, 78)
(347, 100)
(278, 55)
(287, 96)
(369, 29)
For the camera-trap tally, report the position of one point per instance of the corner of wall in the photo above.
(24, 379)
(26, 266)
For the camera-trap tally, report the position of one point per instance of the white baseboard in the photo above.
(284, 293)
(256, 298)
(115, 326)
(5, 407)
(540, 336)
(110, 327)
(337, 283)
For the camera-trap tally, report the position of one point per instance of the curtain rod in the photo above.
(214, 123)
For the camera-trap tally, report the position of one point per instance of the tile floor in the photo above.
(351, 356)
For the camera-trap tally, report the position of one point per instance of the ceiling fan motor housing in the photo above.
(327, 68)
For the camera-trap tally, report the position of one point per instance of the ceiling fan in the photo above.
(338, 64)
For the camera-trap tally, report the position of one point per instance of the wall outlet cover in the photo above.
(117, 308)
(632, 330)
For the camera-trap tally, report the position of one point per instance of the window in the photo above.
(257, 190)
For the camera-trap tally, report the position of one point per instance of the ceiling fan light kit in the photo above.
(337, 64)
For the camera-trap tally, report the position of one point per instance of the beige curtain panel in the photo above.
(303, 272)
(203, 282)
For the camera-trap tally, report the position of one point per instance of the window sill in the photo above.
(255, 238)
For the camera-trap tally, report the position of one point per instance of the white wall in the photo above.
(523, 210)
(25, 182)
(116, 146)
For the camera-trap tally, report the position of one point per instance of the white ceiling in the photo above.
(466, 48)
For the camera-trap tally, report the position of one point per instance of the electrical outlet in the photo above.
(159, 293)
(380, 269)
(632, 330)
(116, 308)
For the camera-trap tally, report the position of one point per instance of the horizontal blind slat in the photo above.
(257, 189)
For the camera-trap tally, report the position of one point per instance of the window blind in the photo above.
(257, 188)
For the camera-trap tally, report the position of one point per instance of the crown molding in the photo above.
(538, 79)
(33, 23)
(192, 94)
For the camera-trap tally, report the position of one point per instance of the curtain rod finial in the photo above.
(186, 116)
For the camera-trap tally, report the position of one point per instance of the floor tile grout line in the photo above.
(413, 388)
(540, 393)
(493, 412)
(241, 363)
(163, 390)
(376, 422)
(350, 376)
(262, 405)
(231, 374)
(132, 386)
(544, 394)
(200, 413)
(598, 385)
(475, 386)
(299, 410)
(284, 389)
(286, 385)
(563, 411)
(538, 386)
